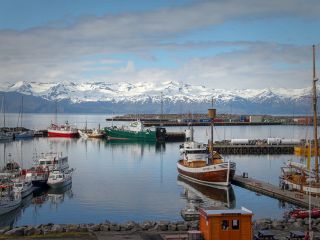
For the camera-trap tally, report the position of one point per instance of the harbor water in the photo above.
(121, 181)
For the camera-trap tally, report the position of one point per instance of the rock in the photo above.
(147, 225)
(277, 225)
(4, 229)
(291, 220)
(306, 221)
(29, 231)
(297, 224)
(264, 221)
(182, 227)
(83, 228)
(72, 228)
(128, 226)
(115, 227)
(94, 228)
(105, 227)
(172, 227)
(56, 228)
(19, 231)
(162, 226)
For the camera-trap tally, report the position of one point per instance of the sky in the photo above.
(228, 44)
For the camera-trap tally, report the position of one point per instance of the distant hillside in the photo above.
(101, 97)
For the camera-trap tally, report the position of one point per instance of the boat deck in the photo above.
(273, 191)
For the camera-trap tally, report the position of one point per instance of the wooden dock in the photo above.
(273, 191)
(253, 149)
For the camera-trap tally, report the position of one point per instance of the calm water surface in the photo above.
(122, 181)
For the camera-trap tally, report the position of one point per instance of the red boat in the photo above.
(65, 130)
(300, 213)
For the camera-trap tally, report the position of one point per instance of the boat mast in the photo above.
(4, 111)
(212, 115)
(315, 120)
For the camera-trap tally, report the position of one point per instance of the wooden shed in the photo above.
(235, 224)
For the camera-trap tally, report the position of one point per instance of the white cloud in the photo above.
(54, 54)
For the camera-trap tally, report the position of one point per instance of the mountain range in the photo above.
(177, 97)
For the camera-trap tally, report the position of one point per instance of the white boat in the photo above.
(4, 136)
(23, 185)
(59, 178)
(39, 174)
(9, 200)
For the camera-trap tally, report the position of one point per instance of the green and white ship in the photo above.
(135, 131)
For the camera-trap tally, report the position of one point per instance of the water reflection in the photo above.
(10, 218)
(198, 195)
(35, 201)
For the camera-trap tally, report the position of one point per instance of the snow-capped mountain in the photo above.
(173, 93)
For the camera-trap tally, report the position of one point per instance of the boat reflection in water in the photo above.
(52, 196)
(35, 201)
(10, 218)
(204, 196)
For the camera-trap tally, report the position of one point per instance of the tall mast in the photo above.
(4, 110)
(21, 111)
(315, 120)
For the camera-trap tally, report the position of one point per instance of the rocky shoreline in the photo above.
(280, 228)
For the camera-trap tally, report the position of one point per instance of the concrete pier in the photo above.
(273, 191)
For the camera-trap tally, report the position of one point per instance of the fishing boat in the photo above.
(23, 186)
(135, 131)
(95, 133)
(59, 178)
(65, 130)
(298, 176)
(39, 173)
(9, 200)
(200, 163)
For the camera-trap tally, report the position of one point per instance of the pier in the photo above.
(253, 149)
(273, 191)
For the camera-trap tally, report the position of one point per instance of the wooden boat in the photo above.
(301, 177)
(200, 163)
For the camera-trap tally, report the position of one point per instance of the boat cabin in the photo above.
(53, 161)
(235, 224)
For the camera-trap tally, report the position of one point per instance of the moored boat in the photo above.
(200, 163)
(59, 178)
(135, 131)
(24, 186)
(39, 174)
(301, 177)
(65, 130)
(9, 200)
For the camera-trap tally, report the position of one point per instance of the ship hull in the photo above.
(66, 134)
(209, 175)
(118, 134)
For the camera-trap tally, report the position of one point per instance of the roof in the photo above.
(226, 211)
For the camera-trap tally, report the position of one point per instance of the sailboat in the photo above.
(22, 134)
(4, 135)
(200, 163)
(301, 177)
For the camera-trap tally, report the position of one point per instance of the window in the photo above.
(235, 224)
(224, 225)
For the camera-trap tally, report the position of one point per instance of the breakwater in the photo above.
(280, 228)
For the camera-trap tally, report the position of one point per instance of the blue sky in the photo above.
(231, 44)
